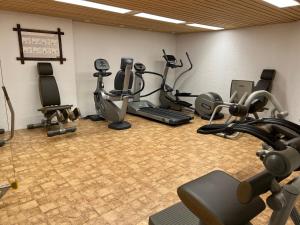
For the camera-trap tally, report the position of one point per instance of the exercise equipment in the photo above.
(14, 184)
(12, 119)
(207, 103)
(219, 199)
(170, 97)
(54, 113)
(147, 109)
(104, 101)
(240, 113)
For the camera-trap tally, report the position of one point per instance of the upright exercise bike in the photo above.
(104, 101)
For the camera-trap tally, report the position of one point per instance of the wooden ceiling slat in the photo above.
(188, 8)
(230, 14)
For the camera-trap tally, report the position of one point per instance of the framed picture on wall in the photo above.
(39, 45)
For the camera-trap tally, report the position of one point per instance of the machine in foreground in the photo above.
(219, 199)
(147, 109)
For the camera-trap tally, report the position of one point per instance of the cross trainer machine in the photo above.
(169, 96)
(54, 113)
(147, 109)
(104, 101)
(218, 198)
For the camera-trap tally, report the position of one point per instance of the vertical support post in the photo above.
(61, 58)
(20, 43)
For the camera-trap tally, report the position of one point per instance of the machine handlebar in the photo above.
(282, 163)
(172, 64)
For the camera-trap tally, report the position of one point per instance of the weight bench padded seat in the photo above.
(265, 84)
(54, 108)
(213, 199)
(49, 92)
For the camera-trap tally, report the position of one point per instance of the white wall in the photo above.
(218, 58)
(221, 56)
(22, 80)
(95, 41)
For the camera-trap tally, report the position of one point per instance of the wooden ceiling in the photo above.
(230, 14)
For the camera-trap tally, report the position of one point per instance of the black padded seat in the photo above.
(213, 199)
(49, 92)
(119, 80)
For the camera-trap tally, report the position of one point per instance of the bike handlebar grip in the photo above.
(255, 186)
(282, 163)
(5, 93)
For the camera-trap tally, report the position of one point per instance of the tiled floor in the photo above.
(102, 176)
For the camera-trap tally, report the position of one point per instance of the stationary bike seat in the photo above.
(212, 198)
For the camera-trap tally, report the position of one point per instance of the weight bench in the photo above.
(56, 115)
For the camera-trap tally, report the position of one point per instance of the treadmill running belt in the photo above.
(174, 118)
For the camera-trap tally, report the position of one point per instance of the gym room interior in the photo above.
(148, 112)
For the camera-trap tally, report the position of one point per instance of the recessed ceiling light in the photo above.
(283, 3)
(160, 18)
(95, 5)
(205, 26)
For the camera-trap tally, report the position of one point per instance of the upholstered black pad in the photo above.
(119, 80)
(45, 69)
(49, 92)
(54, 108)
(266, 80)
(264, 84)
(213, 199)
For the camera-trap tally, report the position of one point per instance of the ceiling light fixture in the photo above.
(159, 18)
(283, 3)
(204, 26)
(95, 5)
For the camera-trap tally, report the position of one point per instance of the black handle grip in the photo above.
(165, 54)
(255, 186)
(190, 61)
